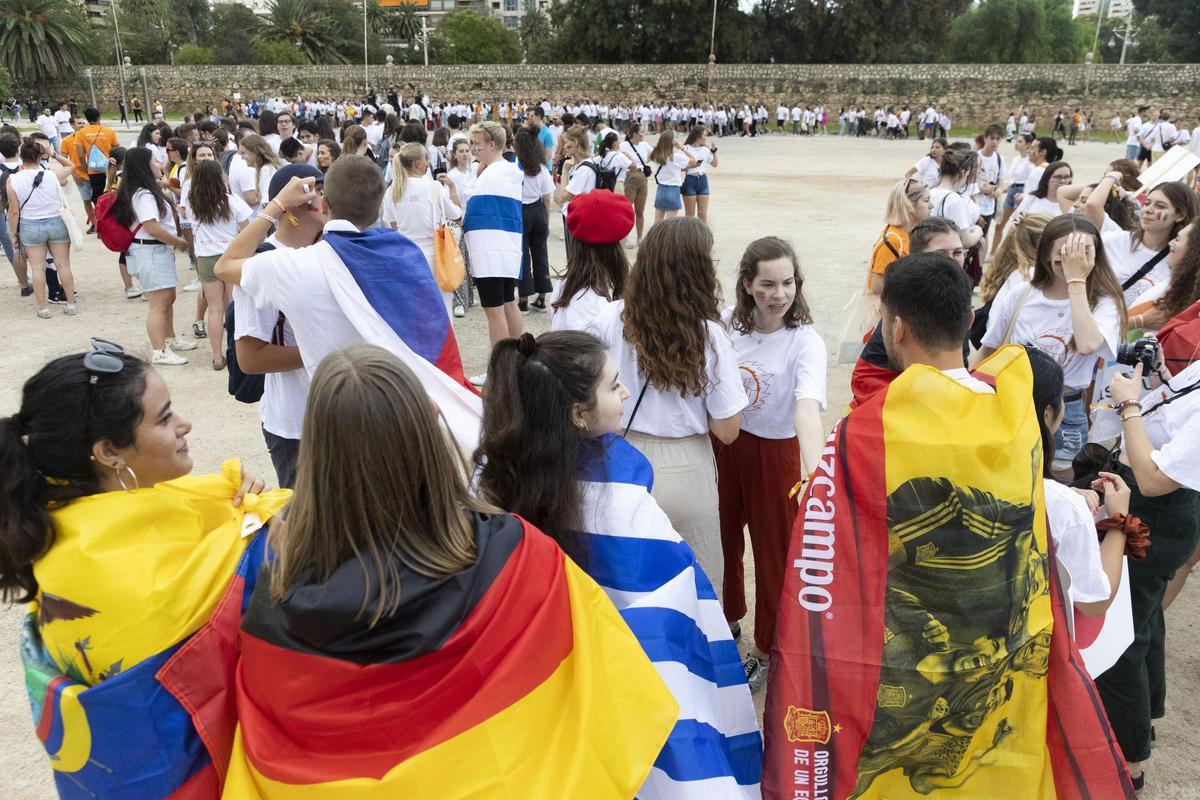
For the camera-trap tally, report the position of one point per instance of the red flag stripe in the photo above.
(364, 720)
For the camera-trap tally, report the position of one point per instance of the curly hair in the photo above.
(768, 248)
(673, 294)
(1185, 278)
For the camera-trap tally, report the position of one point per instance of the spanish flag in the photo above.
(515, 678)
(922, 645)
(131, 644)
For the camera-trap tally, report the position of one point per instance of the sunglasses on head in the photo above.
(104, 359)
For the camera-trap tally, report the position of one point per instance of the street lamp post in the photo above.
(423, 38)
(87, 73)
(120, 60)
(1128, 31)
(366, 72)
(712, 55)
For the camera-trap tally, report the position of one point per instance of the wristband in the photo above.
(1127, 417)
(1071, 281)
(264, 215)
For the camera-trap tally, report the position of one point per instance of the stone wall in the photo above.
(974, 93)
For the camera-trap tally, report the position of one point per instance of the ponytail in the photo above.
(1047, 395)
(26, 531)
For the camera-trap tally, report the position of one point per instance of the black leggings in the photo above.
(535, 269)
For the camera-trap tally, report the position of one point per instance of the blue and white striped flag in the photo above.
(651, 575)
(492, 225)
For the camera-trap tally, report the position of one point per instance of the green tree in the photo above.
(41, 40)
(267, 52)
(194, 54)
(308, 27)
(1179, 24)
(148, 28)
(234, 28)
(469, 38)
(1017, 32)
(536, 36)
(193, 18)
(5, 83)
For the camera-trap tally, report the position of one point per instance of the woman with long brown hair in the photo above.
(496, 654)
(1073, 309)
(783, 363)
(1159, 304)
(251, 176)
(666, 337)
(597, 268)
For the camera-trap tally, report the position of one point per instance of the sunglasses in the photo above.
(104, 359)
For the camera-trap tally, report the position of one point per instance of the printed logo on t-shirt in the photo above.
(756, 380)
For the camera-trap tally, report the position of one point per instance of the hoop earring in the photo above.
(121, 477)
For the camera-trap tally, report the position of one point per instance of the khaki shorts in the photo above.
(206, 268)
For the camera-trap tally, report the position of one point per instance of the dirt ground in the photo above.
(826, 195)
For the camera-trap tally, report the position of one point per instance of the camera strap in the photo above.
(1168, 400)
(1145, 270)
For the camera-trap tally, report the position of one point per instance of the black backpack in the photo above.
(606, 177)
(5, 173)
(245, 388)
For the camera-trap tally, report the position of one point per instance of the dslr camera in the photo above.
(1144, 351)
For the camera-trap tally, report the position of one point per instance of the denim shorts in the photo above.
(85, 191)
(694, 185)
(1131, 152)
(154, 266)
(1010, 197)
(667, 198)
(37, 232)
(1072, 435)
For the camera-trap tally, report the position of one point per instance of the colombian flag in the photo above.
(515, 678)
(922, 644)
(130, 647)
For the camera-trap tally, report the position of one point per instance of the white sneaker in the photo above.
(167, 357)
(180, 344)
(132, 292)
(194, 286)
(459, 311)
(479, 379)
(69, 310)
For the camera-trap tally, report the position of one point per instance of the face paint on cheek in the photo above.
(762, 295)
(1160, 216)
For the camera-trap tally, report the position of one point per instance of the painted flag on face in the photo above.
(922, 644)
(651, 575)
(514, 678)
(129, 650)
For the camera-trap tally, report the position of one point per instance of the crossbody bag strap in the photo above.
(636, 406)
(1012, 321)
(1145, 270)
(888, 244)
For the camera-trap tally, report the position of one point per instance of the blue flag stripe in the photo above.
(696, 751)
(492, 212)
(642, 565)
(668, 635)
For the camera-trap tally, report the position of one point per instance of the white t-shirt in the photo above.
(991, 170)
(929, 172)
(584, 307)
(1019, 170)
(701, 154)
(778, 369)
(1126, 261)
(40, 203)
(670, 414)
(464, 183)
(1046, 324)
(274, 139)
(212, 239)
(950, 205)
(1038, 205)
(241, 178)
(583, 179)
(642, 149)
(284, 393)
(1033, 178)
(1152, 135)
(1076, 544)
(63, 118)
(535, 187)
(963, 376)
(1133, 129)
(414, 214)
(671, 173)
(145, 209)
(1174, 427)
(47, 125)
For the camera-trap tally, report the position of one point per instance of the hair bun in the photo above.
(527, 345)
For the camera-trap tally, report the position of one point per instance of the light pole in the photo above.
(1128, 31)
(712, 55)
(120, 61)
(366, 75)
(423, 38)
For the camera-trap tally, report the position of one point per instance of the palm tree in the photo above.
(306, 26)
(534, 30)
(406, 22)
(41, 40)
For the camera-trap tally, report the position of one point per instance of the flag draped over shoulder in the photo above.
(492, 224)
(129, 648)
(921, 643)
(651, 575)
(514, 678)
(383, 285)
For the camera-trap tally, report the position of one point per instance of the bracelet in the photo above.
(1127, 417)
(1124, 404)
(1076, 280)
(267, 217)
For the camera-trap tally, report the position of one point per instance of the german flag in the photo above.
(515, 678)
(921, 643)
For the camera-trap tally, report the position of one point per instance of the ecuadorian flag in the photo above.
(714, 751)
(129, 650)
(922, 644)
(514, 678)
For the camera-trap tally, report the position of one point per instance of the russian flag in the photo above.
(651, 575)
(382, 282)
(492, 224)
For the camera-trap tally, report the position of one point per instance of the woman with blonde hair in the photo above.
(252, 177)
(416, 204)
(666, 337)
(908, 203)
(672, 162)
(479, 656)
(354, 142)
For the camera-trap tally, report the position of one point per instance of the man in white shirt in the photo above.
(781, 118)
(1133, 134)
(1150, 138)
(62, 118)
(373, 127)
(49, 126)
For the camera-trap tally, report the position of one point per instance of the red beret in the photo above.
(600, 217)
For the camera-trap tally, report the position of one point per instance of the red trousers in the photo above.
(754, 477)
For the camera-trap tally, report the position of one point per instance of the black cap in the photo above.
(289, 171)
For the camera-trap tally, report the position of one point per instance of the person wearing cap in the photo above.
(265, 343)
(596, 267)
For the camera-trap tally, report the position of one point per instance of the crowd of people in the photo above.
(529, 582)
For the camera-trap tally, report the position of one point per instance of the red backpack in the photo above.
(1180, 339)
(113, 234)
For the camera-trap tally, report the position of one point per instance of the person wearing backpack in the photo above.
(10, 145)
(34, 199)
(584, 174)
(93, 143)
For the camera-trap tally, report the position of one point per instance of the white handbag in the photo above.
(74, 229)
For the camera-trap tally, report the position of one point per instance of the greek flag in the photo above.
(492, 225)
(714, 751)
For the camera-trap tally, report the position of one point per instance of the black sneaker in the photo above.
(538, 305)
(58, 300)
(523, 306)
(756, 672)
(91, 229)
(26, 291)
